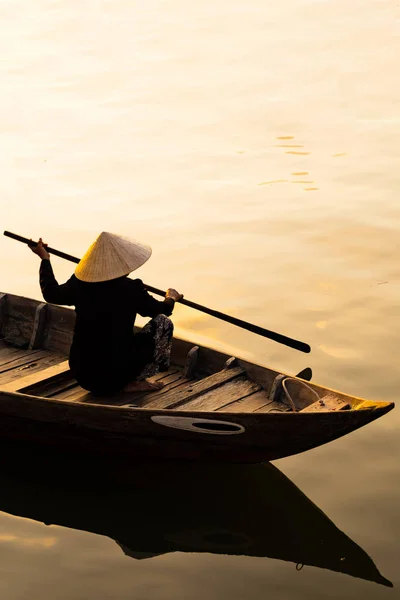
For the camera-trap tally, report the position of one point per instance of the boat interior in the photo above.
(35, 338)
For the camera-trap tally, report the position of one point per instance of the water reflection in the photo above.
(251, 510)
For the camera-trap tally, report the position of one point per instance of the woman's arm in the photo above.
(147, 306)
(51, 290)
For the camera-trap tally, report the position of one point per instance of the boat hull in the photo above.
(142, 434)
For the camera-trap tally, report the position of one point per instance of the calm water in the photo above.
(254, 146)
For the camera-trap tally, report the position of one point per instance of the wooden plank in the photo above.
(327, 403)
(30, 368)
(61, 318)
(38, 326)
(173, 370)
(175, 385)
(78, 394)
(9, 353)
(222, 395)
(72, 394)
(26, 383)
(127, 399)
(167, 379)
(276, 407)
(250, 403)
(57, 341)
(22, 358)
(192, 390)
(75, 393)
(61, 385)
(51, 385)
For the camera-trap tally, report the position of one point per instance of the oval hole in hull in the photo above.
(197, 425)
(225, 427)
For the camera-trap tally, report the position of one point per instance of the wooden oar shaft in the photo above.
(272, 335)
(283, 339)
(31, 243)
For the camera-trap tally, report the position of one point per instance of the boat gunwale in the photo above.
(385, 406)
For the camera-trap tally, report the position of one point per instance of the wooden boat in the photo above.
(230, 509)
(212, 406)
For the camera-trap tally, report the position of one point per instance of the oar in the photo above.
(277, 337)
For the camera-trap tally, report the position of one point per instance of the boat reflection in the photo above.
(251, 510)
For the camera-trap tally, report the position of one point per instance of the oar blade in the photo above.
(305, 374)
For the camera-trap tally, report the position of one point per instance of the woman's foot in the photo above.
(143, 386)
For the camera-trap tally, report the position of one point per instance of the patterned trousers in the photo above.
(152, 348)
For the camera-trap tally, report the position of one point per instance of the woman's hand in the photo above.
(173, 295)
(40, 250)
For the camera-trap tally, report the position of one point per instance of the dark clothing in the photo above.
(103, 354)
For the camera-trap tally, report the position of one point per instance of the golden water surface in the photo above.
(254, 146)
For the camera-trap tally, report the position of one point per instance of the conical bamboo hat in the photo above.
(111, 256)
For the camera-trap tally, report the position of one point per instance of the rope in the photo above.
(301, 384)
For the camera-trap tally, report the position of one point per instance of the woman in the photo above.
(105, 356)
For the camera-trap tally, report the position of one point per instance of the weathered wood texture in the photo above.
(210, 361)
(31, 382)
(27, 322)
(21, 308)
(222, 395)
(29, 368)
(71, 394)
(9, 353)
(297, 394)
(171, 379)
(17, 331)
(249, 403)
(174, 381)
(192, 390)
(18, 315)
(328, 403)
(61, 318)
(71, 391)
(58, 328)
(57, 341)
(191, 361)
(272, 406)
(20, 358)
(132, 432)
(38, 326)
